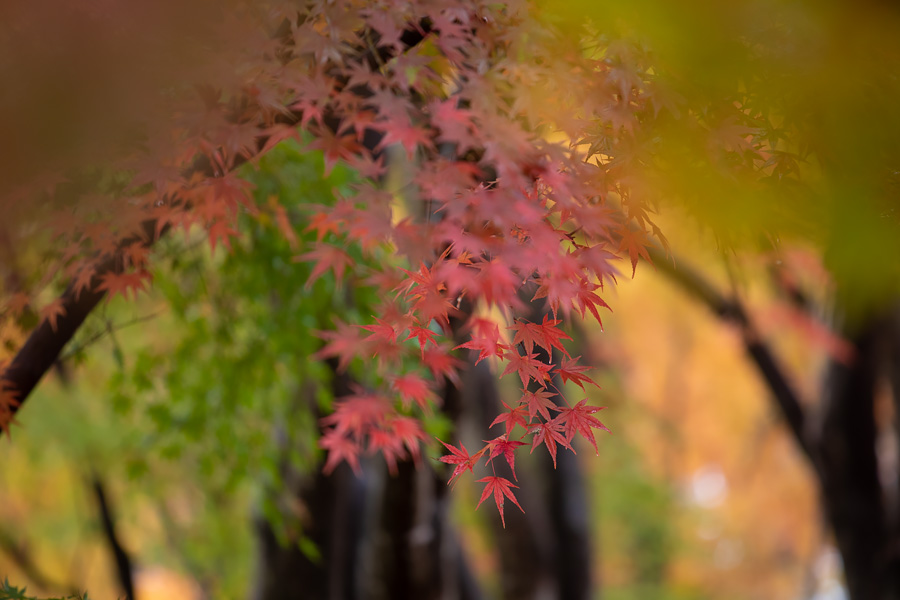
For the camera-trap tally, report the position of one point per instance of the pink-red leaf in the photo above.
(570, 370)
(345, 343)
(549, 434)
(486, 347)
(511, 417)
(546, 335)
(528, 367)
(579, 419)
(52, 311)
(503, 445)
(586, 299)
(538, 403)
(340, 448)
(499, 487)
(326, 257)
(459, 457)
(423, 335)
(413, 388)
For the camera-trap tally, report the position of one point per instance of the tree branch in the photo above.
(45, 343)
(731, 309)
(123, 560)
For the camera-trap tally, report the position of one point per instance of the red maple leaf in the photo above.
(221, 230)
(323, 221)
(52, 311)
(413, 388)
(459, 457)
(340, 448)
(390, 446)
(579, 419)
(499, 487)
(345, 343)
(423, 335)
(408, 135)
(455, 123)
(635, 242)
(528, 367)
(550, 434)
(485, 338)
(546, 335)
(123, 283)
(358, 413)
(486, 347)
(326, 257)
(538, 403)
(496, 283)
(427, 293)
(381, 332)
(17, 303)
(442, 365)
(336, 148)
(136, 255)
(569, 370)
(409, 431)
(524, 334)
(586, 299)
(511, 417)
(503, 445)
(9, 401)
(283, 222)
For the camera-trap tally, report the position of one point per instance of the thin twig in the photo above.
(108, 330)
(124, 566)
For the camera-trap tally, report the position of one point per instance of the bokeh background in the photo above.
(193, 410)
(173, 402)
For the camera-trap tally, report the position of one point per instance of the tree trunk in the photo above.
(852, 490)
(858, 473)
(332, 509)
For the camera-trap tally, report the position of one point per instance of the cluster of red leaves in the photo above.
(490, 104)
(532, 412)
(500, 208)
(366, 416)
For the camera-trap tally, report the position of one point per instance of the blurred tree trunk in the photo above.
(850, 465)
(413, 549)
(377, 536)
(333, 508)
(328, 511)
(383, 537)
(852, 451)
(545, 553)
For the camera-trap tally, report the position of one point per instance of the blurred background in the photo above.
(179, 405)
(750, 371)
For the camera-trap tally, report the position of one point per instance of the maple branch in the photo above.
(44, 345)
(732, 310)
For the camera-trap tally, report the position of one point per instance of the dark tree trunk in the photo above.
(852, 492)
(858, 475)
(523, 546)
(545, 552)
(413, 551)
(570, 519)
(332, 509)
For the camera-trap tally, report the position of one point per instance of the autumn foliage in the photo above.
(527, 145)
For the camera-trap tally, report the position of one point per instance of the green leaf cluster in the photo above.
(11, 592)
